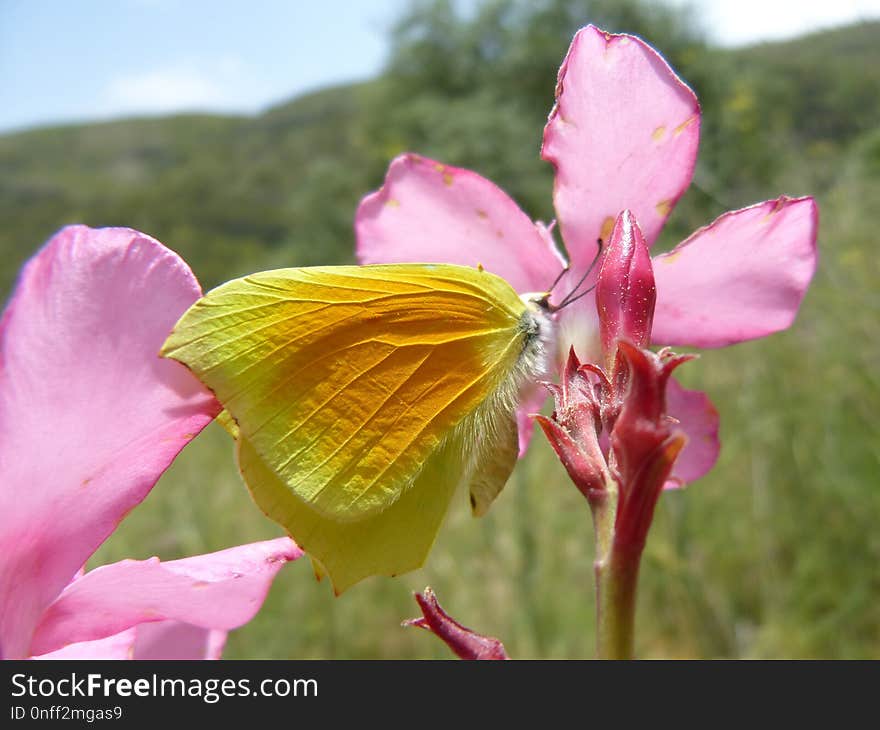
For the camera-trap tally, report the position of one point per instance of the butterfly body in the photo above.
(363, 396)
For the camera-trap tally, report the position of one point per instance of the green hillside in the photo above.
(231, 192)
(225, 192)
(775, 553)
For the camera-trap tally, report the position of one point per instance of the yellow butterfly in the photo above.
(363, 396)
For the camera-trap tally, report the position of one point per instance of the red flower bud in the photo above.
(644, 442)
(625, 291)
(573, 429)
(465, 643)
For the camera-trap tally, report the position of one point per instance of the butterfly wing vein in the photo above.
(344, 380)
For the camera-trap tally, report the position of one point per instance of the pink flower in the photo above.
(90, 417)
(623, 134)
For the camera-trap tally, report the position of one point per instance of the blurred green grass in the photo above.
(775, 553)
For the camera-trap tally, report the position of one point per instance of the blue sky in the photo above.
(86, 59)
(75, 60)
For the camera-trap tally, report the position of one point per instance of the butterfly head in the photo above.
(538, 329)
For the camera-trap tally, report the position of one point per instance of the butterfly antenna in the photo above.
(559, 277)
(570, 297)
(571, 300)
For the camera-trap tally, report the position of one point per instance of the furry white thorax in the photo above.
(540, 328)
(480, 429)
(533, 364)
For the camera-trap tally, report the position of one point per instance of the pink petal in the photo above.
(221, 590)
(157, 640)
(741, 277)
(90, 416)
(117, 646)
(431, 212)
(175, 640)
(699, 420)
(623, 134)
(530, 403)
(577, 325)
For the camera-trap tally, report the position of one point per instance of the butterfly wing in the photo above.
(343, 381)
(390, 542)
(492, 463)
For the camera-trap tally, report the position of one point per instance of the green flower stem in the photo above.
(616, 580)
(617, 572)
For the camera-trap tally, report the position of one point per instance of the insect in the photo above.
(361, 397)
